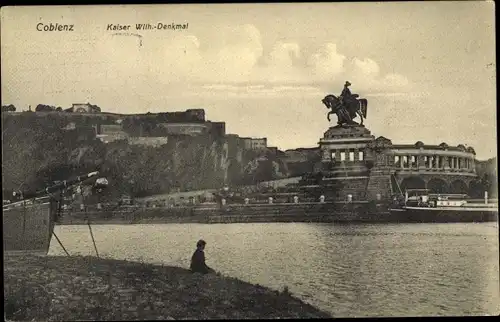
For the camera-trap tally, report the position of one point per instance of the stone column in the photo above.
(401, 160)
(437, 162)
(421, 162)
(446, 163)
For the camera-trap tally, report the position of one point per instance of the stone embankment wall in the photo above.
(212, 213)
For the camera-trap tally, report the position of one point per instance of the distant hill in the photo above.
(301, 160)
(487, 177)
(487, 167)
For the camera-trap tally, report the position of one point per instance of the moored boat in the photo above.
(421, 206)
(28, 224)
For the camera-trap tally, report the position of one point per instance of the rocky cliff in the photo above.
(39, 150)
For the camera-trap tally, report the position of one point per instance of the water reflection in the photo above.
(349, 270)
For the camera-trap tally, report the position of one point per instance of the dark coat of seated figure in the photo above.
(198, 264)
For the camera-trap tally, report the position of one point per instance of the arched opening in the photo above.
(476, 189)
(458, 186)
(412, 183)
(436, 185)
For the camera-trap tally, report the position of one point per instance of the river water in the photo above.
(356, 270)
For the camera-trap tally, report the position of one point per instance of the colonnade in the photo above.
(433, 161)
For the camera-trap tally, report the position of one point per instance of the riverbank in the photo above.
(89, 288)
(284, 213)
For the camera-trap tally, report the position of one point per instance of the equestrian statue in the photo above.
(346, 106)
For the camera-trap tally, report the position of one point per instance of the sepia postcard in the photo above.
(236, 161)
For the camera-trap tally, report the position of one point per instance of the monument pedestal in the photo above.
(344, 160)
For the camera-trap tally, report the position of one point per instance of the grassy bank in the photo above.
(88, 288)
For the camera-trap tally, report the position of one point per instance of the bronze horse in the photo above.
(346, 112)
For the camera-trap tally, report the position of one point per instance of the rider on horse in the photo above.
(346, 106)
(346, 92)
(346, 98)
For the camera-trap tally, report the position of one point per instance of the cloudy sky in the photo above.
(427, 69)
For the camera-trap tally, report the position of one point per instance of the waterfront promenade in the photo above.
(214, 213)
(319, 212)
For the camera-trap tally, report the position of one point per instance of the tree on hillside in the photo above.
(95, 108)
(44, 108)
(8, 108)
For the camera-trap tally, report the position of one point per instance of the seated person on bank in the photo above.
(198, 260)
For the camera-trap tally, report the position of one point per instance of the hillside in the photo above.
(39, 150)
(488, 176)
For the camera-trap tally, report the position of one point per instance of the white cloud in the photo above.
(366, 67)
(366, 76)
(327, 62)
(283, 55)
(158, 63)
